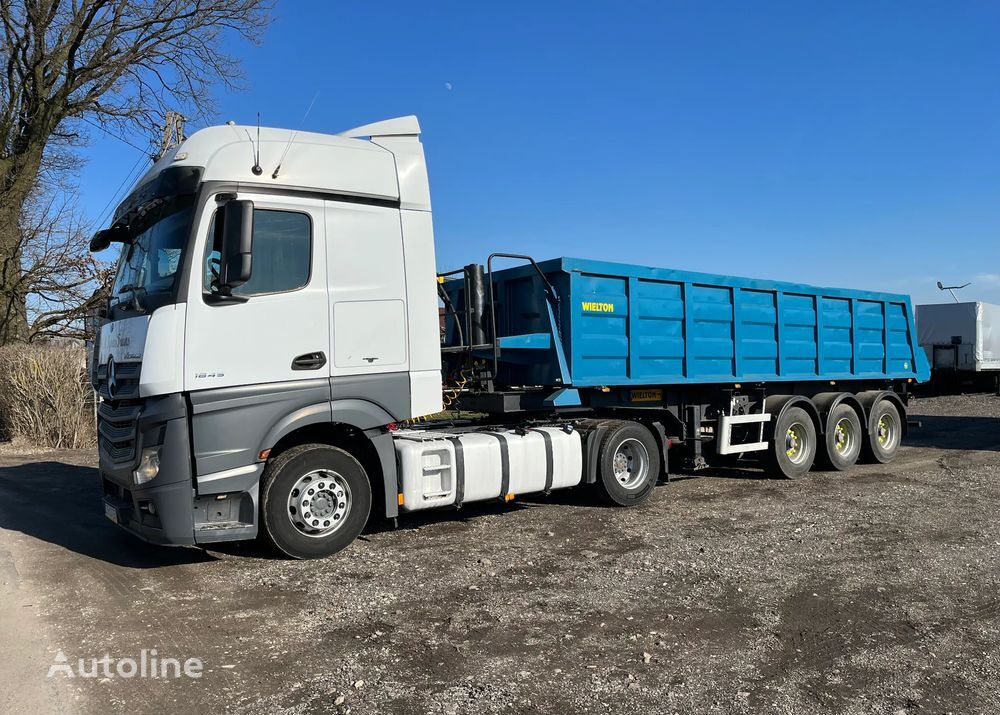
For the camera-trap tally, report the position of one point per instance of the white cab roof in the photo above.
(389, 166)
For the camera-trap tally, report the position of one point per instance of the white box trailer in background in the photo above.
(962, 342)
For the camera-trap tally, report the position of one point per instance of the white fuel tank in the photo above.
(440, 468)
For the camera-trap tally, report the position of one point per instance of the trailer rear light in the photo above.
(149, 466)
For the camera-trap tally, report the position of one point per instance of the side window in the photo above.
(282, 253)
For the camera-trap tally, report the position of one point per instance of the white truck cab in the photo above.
(270, 282)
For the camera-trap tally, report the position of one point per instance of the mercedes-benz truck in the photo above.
(280, 357)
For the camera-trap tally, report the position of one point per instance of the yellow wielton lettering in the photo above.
(594, 307)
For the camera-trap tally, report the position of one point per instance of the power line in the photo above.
(114, 197)
(145, 155)
(114, 136)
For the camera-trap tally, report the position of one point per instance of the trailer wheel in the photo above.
(315, 501)
(629, 464)
(844, 438)
(885, 432)
(793, 448)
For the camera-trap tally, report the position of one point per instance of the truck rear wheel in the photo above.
(315, 501)
(885, 432)
(793, 448)
(844, 437)
(628, 464)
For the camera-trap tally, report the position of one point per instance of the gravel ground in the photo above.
(729, 592)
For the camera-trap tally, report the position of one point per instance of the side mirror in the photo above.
(102, 239)
(237, 244)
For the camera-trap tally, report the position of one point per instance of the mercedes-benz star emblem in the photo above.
(112, 379)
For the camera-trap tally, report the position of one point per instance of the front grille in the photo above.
(126, 384)
(118, 412)
(116, 430)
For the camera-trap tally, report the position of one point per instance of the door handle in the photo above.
(309, 361)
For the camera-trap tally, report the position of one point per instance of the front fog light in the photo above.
(149, 466)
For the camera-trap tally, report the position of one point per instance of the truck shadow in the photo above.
(750, 471)
(412, 521)
(419, 519)
(60, 503)
(955, 432)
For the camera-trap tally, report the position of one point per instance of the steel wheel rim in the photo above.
(844, 436)
(319, 503)
(795, 443)
(630, 463)
(886, 431)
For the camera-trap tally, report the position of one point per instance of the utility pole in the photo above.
(173, 132)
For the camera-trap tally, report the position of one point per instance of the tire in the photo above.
(885, 432)
(844, 438)
(628, 464)
(307, 525)
(793, 447)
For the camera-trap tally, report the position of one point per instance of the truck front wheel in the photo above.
(628, 464)
(315, 501)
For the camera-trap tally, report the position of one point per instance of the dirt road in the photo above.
(729, 592)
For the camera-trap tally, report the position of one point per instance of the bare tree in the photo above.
(61, 280)
(69, 65)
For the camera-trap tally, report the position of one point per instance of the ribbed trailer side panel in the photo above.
(641, 329)
(626, 325)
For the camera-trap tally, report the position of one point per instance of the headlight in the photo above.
(149, 466)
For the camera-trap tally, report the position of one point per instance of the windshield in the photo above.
(150, 262)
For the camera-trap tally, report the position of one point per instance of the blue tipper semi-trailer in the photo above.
(642, 364)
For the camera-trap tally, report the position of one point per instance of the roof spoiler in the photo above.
(407, 126)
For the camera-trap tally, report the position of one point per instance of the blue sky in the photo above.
(849, 144)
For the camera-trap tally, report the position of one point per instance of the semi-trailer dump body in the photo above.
(272, 363)
(628, 326)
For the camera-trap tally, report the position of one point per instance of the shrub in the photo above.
(45, 397)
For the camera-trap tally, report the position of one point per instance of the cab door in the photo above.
(252, 362)
(276, 332)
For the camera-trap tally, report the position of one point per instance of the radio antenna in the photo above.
(257, 171)
(291, 138)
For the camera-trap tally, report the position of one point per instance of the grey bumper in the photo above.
(162, 510)
(161, 515)
(175, 508)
